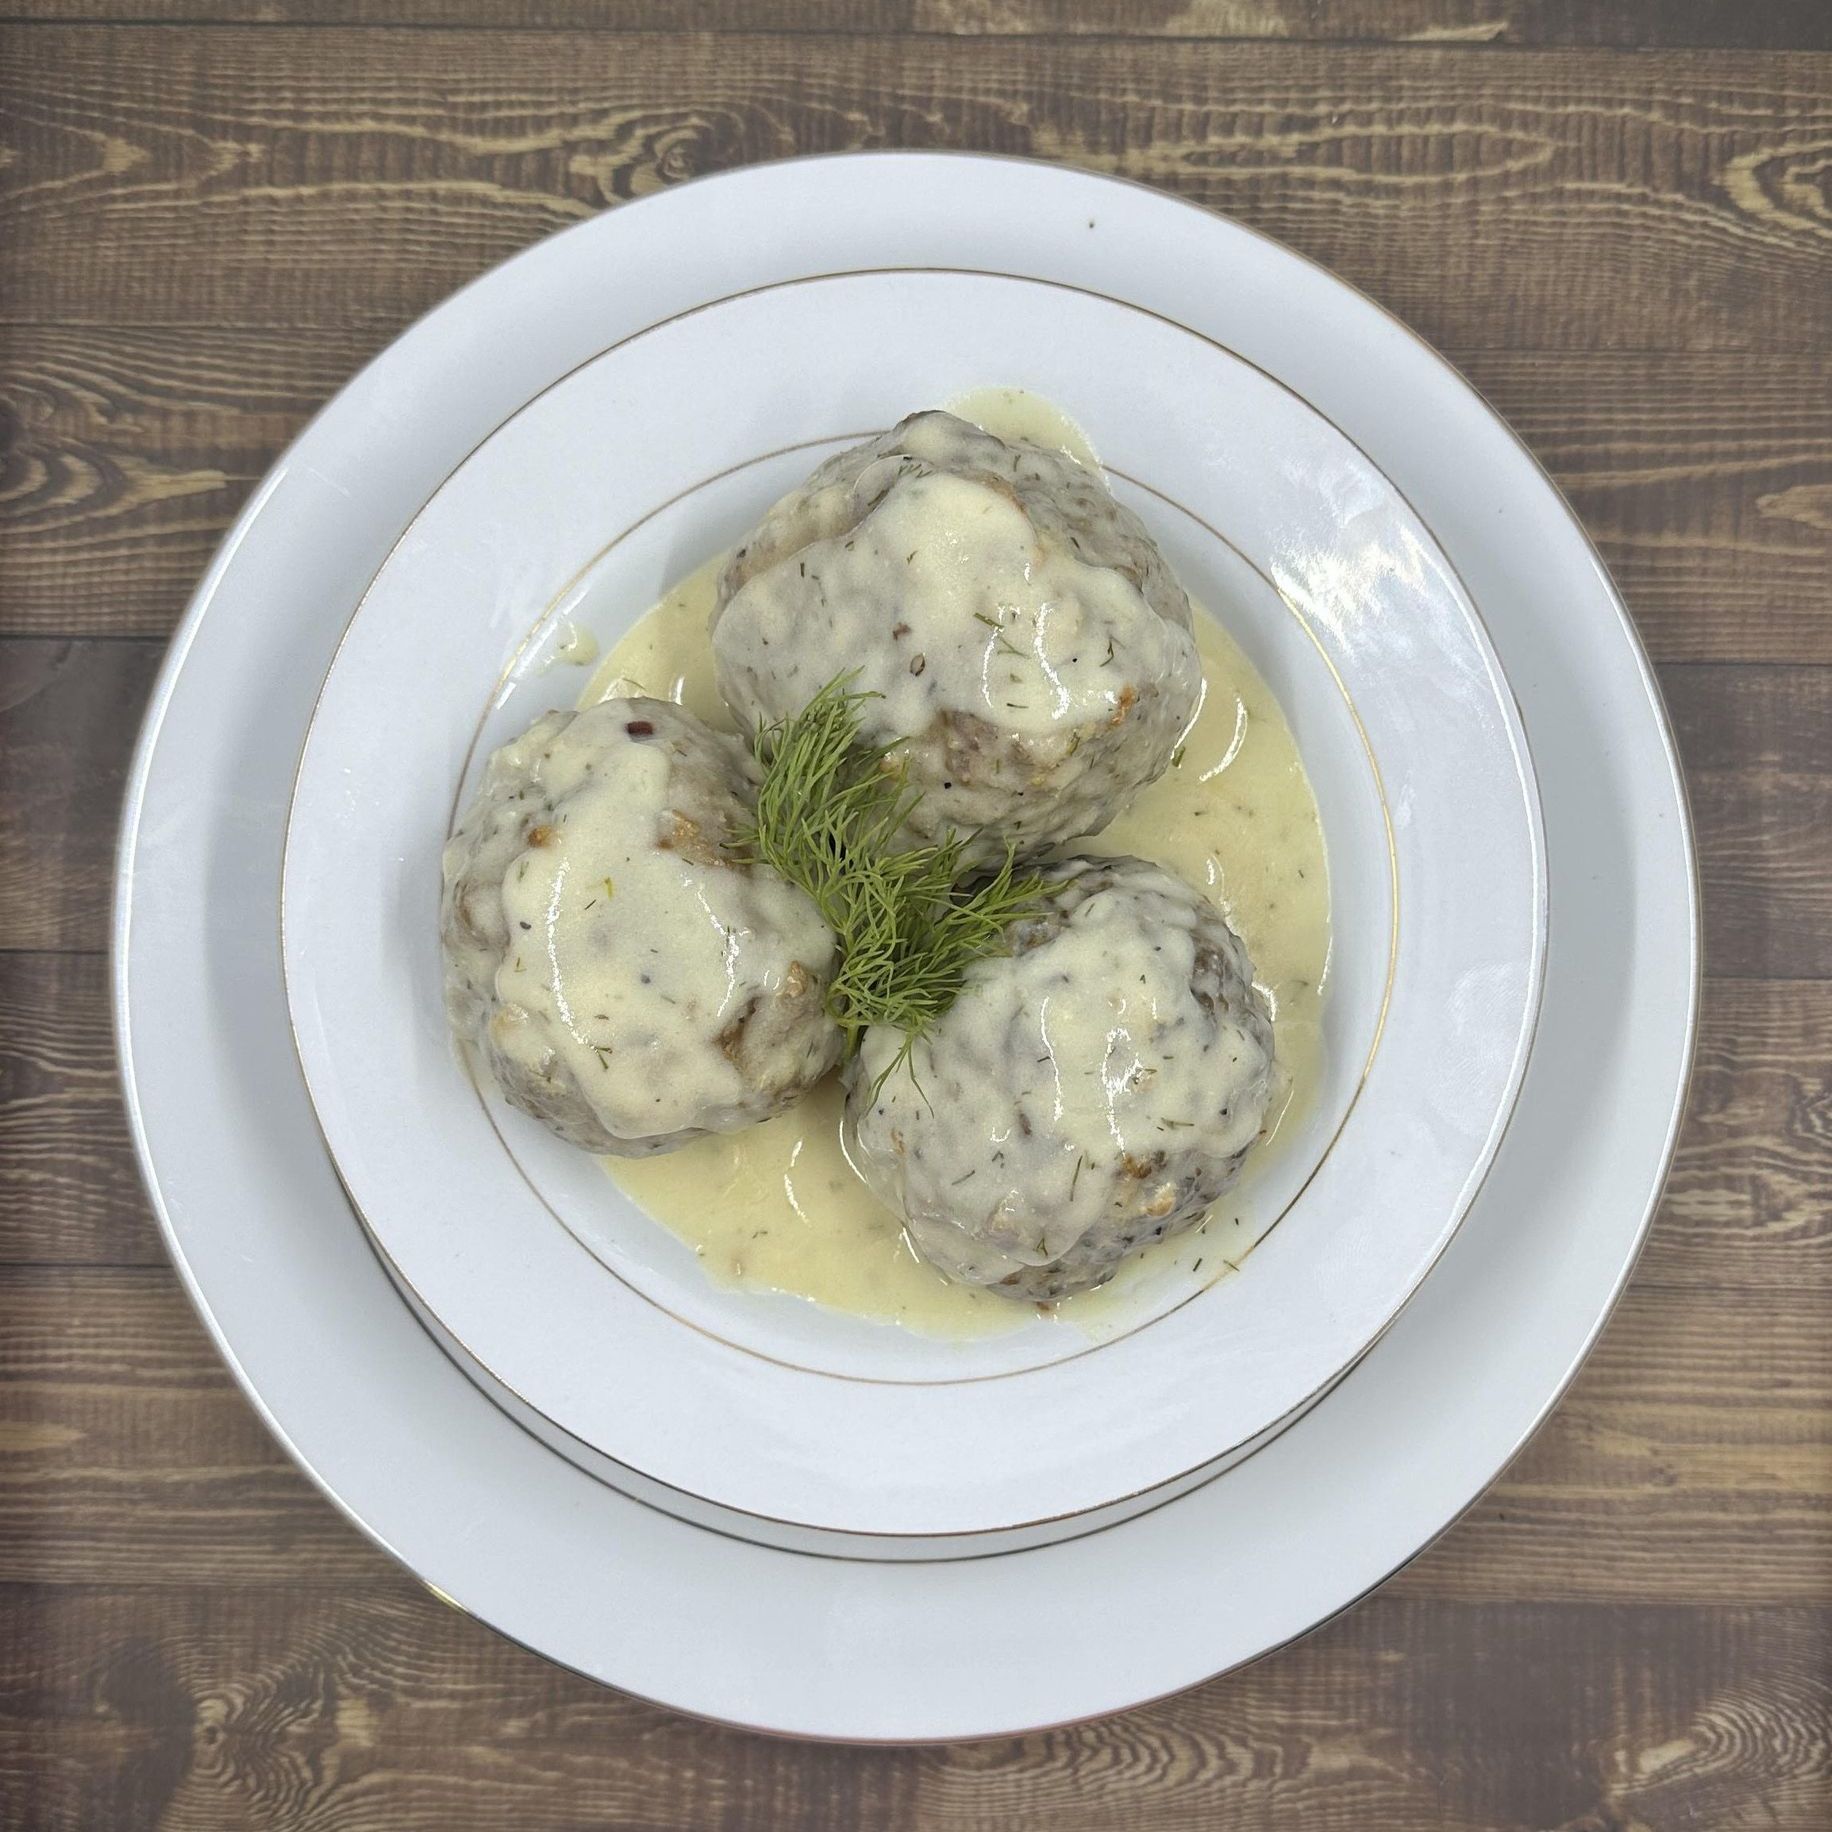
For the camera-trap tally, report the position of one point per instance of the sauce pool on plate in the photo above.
(778, 1207)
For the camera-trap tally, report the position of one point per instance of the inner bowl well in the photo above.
(762, 1414)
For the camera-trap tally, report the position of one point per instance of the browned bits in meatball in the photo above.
(1028, 648)
(680, 834)
(624, 981)
(1093, 1090)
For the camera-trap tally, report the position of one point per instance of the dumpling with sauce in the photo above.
(626, 982)
(1091, 1091)
(1029, 648)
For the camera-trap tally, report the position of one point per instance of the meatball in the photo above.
(1029, 647)
(1093, 1090)
(628, 983)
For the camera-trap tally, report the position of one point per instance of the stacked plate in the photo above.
(527, 1389)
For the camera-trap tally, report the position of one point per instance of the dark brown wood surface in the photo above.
(1616, 217)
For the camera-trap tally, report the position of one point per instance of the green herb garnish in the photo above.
(830, 818)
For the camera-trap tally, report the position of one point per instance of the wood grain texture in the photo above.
(253, 1712)
(69, 713)
(126, 454)
(1705, 480)
(1758, 751)
(726, 16)
(1747, 1200)
(1759, 741)
(203, 230)
(1746, 1204)
(69, 1189)
(1801, 25)
(1670, 200)
(1706, 477)
(1691, 1463)
(1637, 24)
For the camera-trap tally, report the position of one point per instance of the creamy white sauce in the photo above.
(629, 960)
(1018, 635)
(1083, 1096)
(1234, 815)
(666, 656)
(1015, 413)
(576, 648)
(1023, 646)
(778, 1207)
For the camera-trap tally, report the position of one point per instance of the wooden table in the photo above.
(1616, 218)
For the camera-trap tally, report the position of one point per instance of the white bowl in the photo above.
(764, 1415)
(438, 1477)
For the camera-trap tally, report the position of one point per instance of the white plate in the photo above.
(796, 1424)
(368, 1404)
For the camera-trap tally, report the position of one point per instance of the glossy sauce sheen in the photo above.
(1094, 1091)
(1023, 648)
(778, 1207)
(635, 969)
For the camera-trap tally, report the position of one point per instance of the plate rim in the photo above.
(1522, 1031)
(187, 631)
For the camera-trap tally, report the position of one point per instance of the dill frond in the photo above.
(830, 815)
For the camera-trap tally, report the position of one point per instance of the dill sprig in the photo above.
(830, 815)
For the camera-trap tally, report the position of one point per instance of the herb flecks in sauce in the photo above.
(828, 1238)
